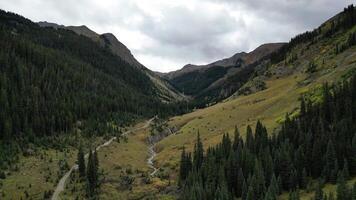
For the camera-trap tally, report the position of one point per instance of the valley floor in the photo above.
(126, 172)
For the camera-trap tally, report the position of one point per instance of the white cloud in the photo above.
(165, 35)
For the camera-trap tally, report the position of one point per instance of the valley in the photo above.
(81, 118)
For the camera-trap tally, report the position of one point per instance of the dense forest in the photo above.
(194, 82)
(52, 81)
(319, 143)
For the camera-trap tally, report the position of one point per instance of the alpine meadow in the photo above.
(267, 113)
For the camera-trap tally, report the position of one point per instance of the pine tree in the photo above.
(232, 171)
(222, 192)
(272, 191)
(316, 168)
(81, 162)
(250, 193)
(319, 194)
(96, 162)
(294, 195)
(226, 145)
(341, 190)
(240, 183)
(184, 167)
(236, 139)
(345, 170)
(198, 153)
(258, 181)
(92, 174)
(353, 152)
(331, 196)
(353, 194)
(304, 179)
(280, 184)
(274, 186)
(330, 168)
(244, 190)
(249, 139)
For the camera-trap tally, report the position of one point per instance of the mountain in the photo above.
(53, 78)
(289, 122)
(218, 80)
(307, 108)
(166, 91)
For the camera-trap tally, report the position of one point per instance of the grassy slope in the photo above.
(270, 105)
(117, 159)
(33, 171)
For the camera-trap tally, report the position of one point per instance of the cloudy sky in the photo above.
(164, 35)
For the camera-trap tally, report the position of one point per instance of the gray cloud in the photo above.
(164, 35)
(188, 33)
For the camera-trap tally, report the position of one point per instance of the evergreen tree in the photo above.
(184, 167)
(240, 183)
(341, 190)
(96, 162)
(353, 194)
(353, 152)
(309, 144)
(330, 168)
(222, 192)
(198, 153)
(92, 174)
(273, 190)
(304, 179)
(331, 196)
(250, 193)
(345, 170)
(250, 139)
(294, 195)
(236, 139)
(319, 194)
(81, 162)
(245, 190)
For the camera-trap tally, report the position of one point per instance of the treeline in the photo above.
(344, 21)
(319, 143)
(52, 81)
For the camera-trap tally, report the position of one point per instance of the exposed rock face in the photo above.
(238, 59)
(49, 24)
(106, 39)
(167, 92)
(222, 78)
(120, 49)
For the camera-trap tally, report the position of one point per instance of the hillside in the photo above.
(300, 69)
(55, 82)
(218, 80)
(166, 92)
(81, 118)
(304, 67)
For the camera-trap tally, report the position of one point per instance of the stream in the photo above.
(152, 154)
(61, 184)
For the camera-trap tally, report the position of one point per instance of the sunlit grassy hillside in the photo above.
(285, 81)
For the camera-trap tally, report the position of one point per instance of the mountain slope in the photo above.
(302, 70)
(166, 92)
(218, 80)
(51, 79)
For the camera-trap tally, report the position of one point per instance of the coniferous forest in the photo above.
(318, 144)
(52, 80)
(63, 93)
